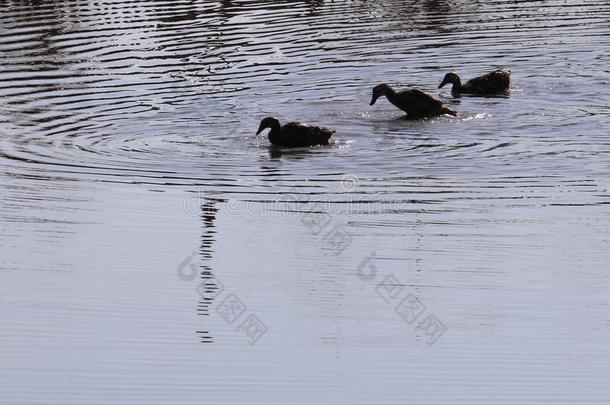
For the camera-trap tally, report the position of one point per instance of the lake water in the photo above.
(155, 251)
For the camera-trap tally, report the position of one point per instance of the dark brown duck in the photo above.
(414, 102)
(294, 134)
(496, 82)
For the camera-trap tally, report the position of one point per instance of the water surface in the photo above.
(136, 201)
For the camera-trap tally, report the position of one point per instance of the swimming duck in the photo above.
(294, 134)
(496, 82)
(414, 102)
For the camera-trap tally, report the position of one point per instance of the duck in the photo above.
(294, 134)
(496, 82)
(414, 102)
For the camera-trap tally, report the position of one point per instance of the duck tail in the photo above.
(324, 136)
(447, 110)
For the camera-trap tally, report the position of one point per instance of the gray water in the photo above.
(155, 251)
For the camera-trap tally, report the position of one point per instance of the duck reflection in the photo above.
(209, 287)
(437, 6)
(190, 14)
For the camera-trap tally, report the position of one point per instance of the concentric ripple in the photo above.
(133, 192)
(171, 93)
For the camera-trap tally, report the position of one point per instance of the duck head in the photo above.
(452, 78)
(380, 90)
(269, 122)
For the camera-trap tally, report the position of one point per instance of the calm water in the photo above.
(154, 251)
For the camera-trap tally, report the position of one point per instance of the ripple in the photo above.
(171, 92)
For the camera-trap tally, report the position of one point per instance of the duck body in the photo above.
(493, 83)
(295, 134)
(414, 102)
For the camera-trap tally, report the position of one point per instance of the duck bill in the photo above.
(373, 100)
(444, 82)
(260, 129)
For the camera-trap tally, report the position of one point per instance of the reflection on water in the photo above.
(137, 206)
(209, 288)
